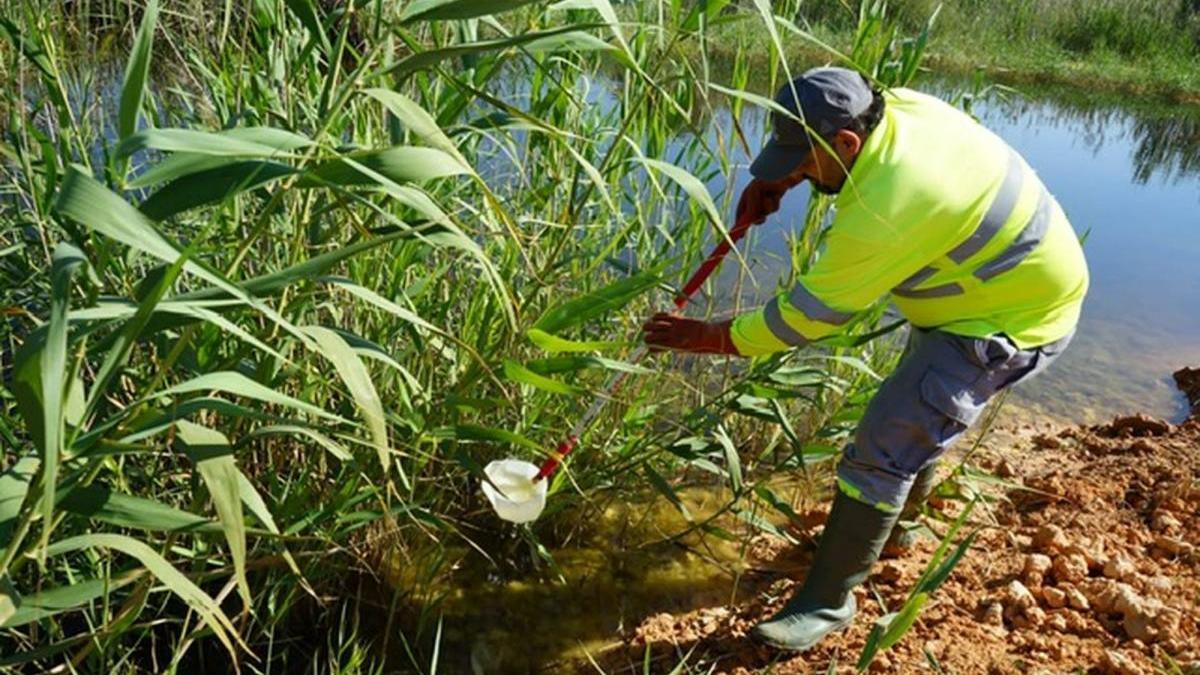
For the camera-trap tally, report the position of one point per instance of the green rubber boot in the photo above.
(850, 545)
(903, 539)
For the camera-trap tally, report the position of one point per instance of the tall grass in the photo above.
(1131, 28)
(269, 307)
(1128, 46)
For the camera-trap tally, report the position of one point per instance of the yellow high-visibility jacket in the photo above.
(939, 212)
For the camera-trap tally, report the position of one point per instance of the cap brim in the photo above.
(776, 160)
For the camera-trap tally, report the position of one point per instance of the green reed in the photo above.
(269, 307)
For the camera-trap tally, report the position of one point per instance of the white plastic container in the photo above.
(519, 499)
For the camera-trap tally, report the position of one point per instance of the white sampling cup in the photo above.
(519, 499)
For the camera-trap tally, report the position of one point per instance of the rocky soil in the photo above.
(1087, 560)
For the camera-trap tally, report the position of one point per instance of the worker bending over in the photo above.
(943, 216)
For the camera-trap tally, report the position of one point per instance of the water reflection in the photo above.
(1165, 140)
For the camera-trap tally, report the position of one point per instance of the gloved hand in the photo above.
(667, 331)
(761, 198)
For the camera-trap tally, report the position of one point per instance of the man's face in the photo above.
(825, 171)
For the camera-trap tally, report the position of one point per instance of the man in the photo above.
(939, 213)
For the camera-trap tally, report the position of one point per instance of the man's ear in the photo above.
(847, 143)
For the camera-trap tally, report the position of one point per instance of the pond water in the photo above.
(1129, 180)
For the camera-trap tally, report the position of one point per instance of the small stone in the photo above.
(1055, 598)
(1140, 626)
(1056, 621)
(1046, 442)
(1077, 599)
(1036, 616)
(1172, 546)
(890, 573)
(1036, 566)
(1050, 538)
(994, 614)
(1019, 596)
(1070, 568)
(1125, 600)
(1004, 469)
(1163, 521)
(1096, 560)
(1119, 567)
(1142, 446)
(1160, 583)
(1116, 663)
(1077, 624)
(1102, 595)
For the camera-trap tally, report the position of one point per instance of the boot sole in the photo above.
(838, 627)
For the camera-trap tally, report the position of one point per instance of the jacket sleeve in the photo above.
(849, 277)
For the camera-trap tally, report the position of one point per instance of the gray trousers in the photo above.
(936, 393)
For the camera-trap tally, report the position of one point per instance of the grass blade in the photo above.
(75, 596)
(557, 345)
(14, 485)
(232, 382)
(354, 375)
(210, 451)
(333, 447)
(431, 57)
(441, 10)
(53, 361)
(136, 72)
(242, 142)
(402, 164)
(692, 186)
(173, 579)
(87, 201)
(309, 15)
(518, 373)
(10, 600)
(420, 122)
(212, 186)
(102, 504)
(118, 355)
(593, 304)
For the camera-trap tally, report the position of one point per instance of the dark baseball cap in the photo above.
(826, 99)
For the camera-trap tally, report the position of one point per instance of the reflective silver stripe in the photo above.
(1029, 238)
(993, 221)
(942, 291)
(997, 214)
(779, 327)
(814, 309)
(916, 279)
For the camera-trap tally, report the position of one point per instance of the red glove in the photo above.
(761, 198)
(667, 331)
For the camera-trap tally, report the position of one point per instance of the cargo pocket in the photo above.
(953, 403)
(994, 352)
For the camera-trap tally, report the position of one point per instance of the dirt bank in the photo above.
(1088, 560)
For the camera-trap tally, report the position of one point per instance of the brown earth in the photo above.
(1087, 561)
